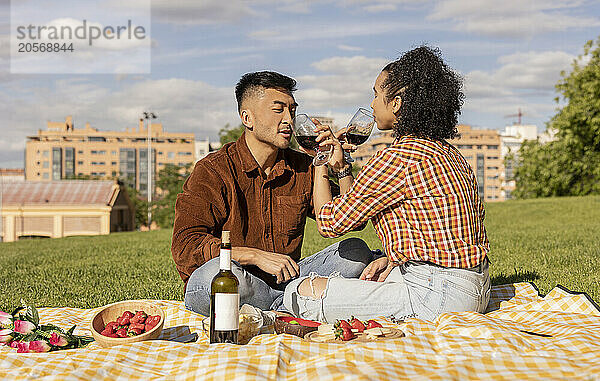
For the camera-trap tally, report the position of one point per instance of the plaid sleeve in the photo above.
(379, 185)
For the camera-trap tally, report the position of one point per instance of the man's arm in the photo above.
(200, 213)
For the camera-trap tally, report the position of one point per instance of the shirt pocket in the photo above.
(290, 213)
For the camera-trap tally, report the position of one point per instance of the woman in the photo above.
(422, 197)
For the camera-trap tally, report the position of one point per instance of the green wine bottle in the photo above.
(224, 299)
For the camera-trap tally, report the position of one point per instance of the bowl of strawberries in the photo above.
(126, 322)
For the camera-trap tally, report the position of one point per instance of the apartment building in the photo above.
(480, 147)
(63, 151)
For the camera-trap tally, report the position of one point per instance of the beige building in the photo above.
(57, 209)
(204, 147)
(9, 175)
(63, 151)
(480, 147)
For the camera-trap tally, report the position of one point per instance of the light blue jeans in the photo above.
(414, 289)
(348, 258)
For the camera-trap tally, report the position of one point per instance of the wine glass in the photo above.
(306, 135)
(358, 130)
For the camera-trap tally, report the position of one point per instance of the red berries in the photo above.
(373, 324)
(357, 324)
(345, 334)
(347, 330)
(130, 324)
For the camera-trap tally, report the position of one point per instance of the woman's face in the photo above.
(384, 112)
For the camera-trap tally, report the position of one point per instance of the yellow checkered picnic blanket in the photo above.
(522, 336)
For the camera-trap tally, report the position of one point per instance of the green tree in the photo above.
(170, 182)
(570, 165)
(141, 206)
(230, 134)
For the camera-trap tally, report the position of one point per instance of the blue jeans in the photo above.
(348, 258)
(414, 289)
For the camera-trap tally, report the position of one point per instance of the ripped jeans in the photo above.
(348, 257)
(413, 289)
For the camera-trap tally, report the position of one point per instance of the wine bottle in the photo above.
(224, 299)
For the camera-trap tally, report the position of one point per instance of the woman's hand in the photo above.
(329, 140)
(377, 270)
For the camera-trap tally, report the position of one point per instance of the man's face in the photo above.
(269, 117)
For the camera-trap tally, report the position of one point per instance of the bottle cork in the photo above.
(225, 237)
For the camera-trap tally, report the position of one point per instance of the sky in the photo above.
(510, 53)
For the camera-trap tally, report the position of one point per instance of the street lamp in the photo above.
(148, 116)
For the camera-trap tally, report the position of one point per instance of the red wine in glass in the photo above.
(308, 142)
(356, 139)
(306, 135)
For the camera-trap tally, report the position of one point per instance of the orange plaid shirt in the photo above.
(421, 196)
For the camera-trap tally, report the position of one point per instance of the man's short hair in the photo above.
(251, 84)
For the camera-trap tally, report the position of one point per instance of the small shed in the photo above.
(64, 208)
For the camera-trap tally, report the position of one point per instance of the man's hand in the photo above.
(280, 265)
(377, 270)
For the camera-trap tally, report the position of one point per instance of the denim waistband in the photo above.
(477, 269)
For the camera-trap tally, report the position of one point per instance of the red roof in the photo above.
(74, 192)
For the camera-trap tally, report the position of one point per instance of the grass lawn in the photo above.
(547, 241)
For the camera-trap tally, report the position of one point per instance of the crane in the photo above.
(519, 115)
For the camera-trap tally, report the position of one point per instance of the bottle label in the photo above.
(227, 313)
(225, 259)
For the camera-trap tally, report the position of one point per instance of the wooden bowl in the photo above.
(283, 325)
(112, 311)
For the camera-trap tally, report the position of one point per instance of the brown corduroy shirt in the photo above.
(226, 191)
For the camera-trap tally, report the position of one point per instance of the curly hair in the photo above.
(430, 91)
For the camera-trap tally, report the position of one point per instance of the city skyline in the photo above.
(511, 56)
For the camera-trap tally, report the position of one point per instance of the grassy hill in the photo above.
(548, 241)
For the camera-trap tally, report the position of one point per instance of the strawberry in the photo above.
(139, 317)
(344, 333)
(138, 326)
(121, 332)
(112, 326)
(151, 322)
(107, 332)
(125, 318)
(134, 331)
(342, 324)
(357, 324)
(373, 324)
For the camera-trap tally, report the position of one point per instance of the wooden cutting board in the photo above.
(360, 337)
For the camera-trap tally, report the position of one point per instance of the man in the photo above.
(261, 191)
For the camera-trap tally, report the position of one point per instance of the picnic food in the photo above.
(373, 324)
(130, 324)
(295, 326)
(343, 330)
(224, 298)
(357, 324)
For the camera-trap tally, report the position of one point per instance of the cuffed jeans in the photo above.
(347, 258)
(414, 289)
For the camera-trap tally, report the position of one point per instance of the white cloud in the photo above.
(523, 81)
(194, 12)
(376, 8)
(349, 48)
(314, 31)
(513, 18)
(345, 82)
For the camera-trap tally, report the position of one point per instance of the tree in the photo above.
(230, 134)
(141, 206)
(570, 165)
(170, 182)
